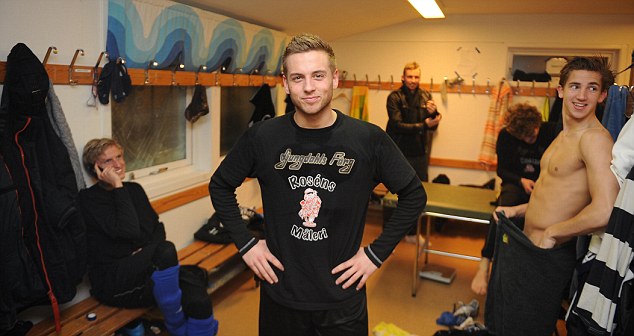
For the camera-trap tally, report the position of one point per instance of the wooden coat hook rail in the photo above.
(524, 89)
(83, 75)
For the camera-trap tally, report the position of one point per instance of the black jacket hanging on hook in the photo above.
(121, 83)
(264, 108)
(104, 83)
(43, 248)
(198, 106)
(114, 78)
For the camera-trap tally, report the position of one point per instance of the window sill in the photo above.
(172, 181)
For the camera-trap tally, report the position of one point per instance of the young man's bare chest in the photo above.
(563, 158)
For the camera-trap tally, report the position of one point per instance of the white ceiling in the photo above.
(333, 19)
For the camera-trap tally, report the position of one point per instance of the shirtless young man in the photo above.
(575, 191)
(573, 196)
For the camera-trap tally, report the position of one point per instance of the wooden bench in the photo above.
(110, 319)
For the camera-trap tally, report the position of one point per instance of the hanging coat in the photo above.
(50, 227)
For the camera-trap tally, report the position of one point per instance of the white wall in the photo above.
(442, 46)
(82, 24)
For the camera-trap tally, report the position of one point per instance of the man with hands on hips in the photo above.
(316, 168)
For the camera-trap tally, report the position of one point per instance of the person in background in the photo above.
(572, 198)
(520, 146)
(316, 168)
(130, 263)
(411, 114)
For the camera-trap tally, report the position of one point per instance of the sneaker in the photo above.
(468, 322)
(134, 328)
(470, 309)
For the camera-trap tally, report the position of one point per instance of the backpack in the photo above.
(214, 232)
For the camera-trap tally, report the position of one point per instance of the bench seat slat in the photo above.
(219, 257)
(79, 309)
(110, 319)
(115, 322)
(190, 249)
(201, 254)
(80, 323)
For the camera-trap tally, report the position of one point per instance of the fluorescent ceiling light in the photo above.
(428, 9)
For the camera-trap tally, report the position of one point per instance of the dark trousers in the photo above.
(421, 167)
(128, 282)
(278, 320)
(509, 195)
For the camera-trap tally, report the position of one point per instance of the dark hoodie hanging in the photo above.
(198, 106)
(103, 85)
(121, 83)
(264, 108)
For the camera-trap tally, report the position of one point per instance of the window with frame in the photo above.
(550, 60)
(152, 129)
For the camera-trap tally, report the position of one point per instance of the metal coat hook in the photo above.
(267, 76)
(473, 85)
(355, 79)
(431, 84)
(255, 70)
(71, 81)
(202, 67)
(367, 81)
(391, 82)
(379, 82)
(176, 67)
(151, 64)
(48, 53)
(459, 81)
(101, 55)
(533, 88)
(217, 75)
(488, 88)
(456, 81)
(343, 75)
(95, 70)
(517, 87)
(234, 77)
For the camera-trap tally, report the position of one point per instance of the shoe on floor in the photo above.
(470, 309)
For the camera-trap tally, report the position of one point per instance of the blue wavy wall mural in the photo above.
(142, 31)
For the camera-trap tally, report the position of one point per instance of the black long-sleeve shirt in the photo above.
(315, 186)
(517, 159)
(118, 222)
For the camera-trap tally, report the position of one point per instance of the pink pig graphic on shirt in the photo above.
(310, 207)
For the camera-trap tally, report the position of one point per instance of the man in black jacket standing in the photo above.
(412, 112)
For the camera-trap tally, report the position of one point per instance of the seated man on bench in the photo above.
(131, 264)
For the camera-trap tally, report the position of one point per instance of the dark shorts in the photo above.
(279, 320)
(527, 283)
